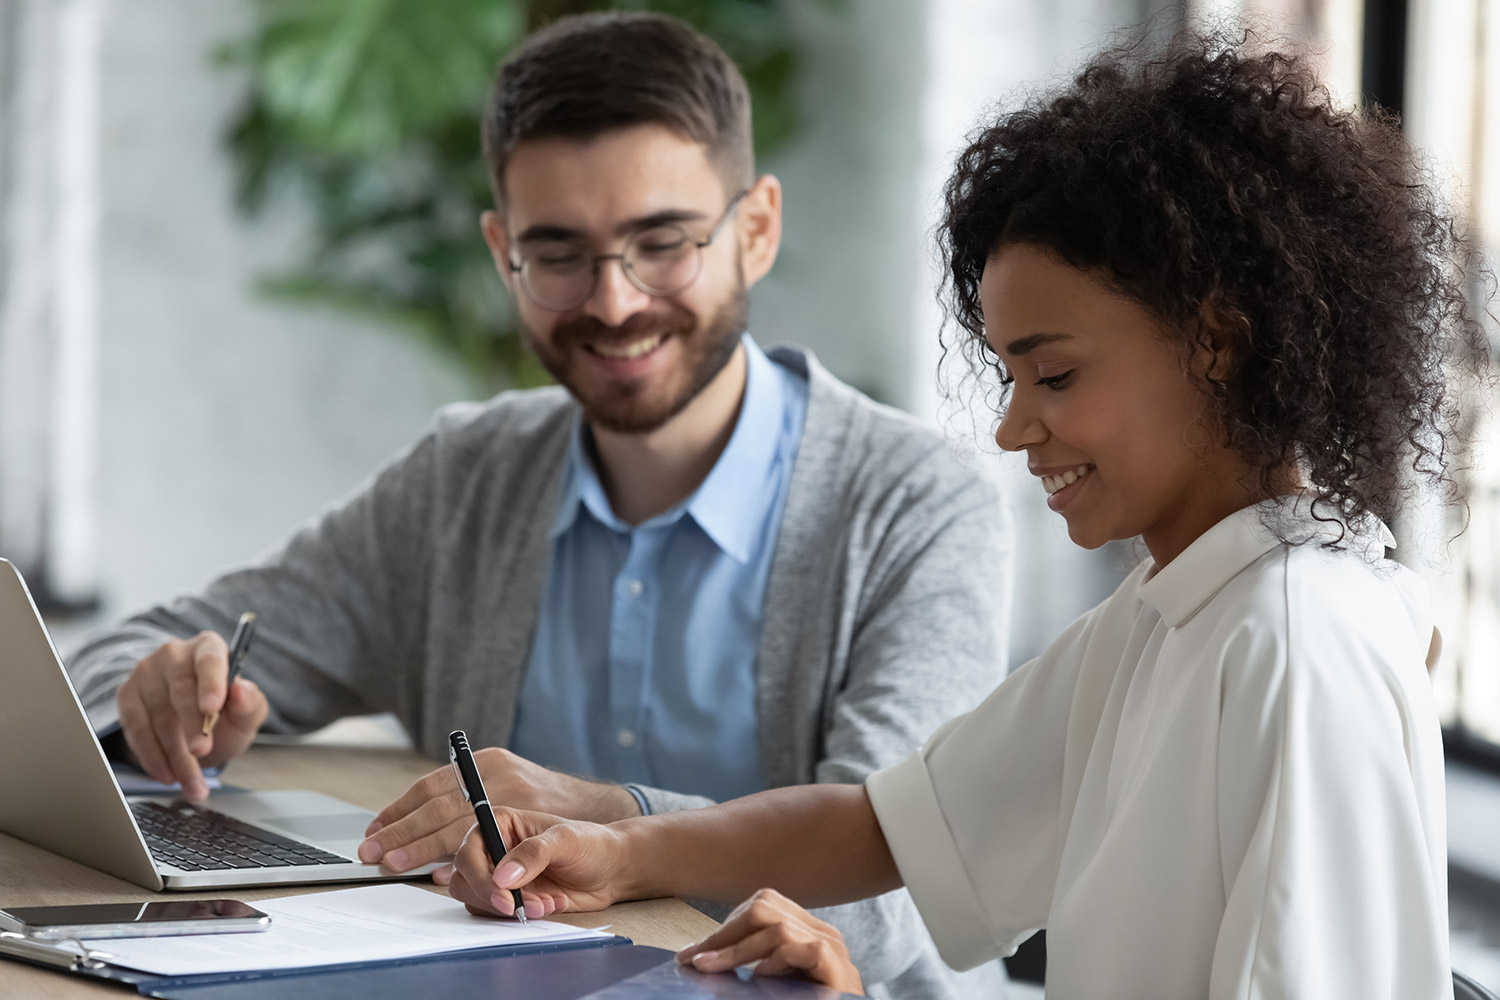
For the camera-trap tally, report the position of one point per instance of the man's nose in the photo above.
(615, 298)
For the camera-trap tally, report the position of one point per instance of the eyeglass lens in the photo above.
(662, 260)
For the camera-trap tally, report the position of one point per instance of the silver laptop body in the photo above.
(57, 790)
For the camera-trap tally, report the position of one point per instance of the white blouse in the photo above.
(1225, 781)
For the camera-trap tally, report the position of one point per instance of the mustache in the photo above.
(586, 330)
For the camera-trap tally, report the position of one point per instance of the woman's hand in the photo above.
(783, 937)
(559, 866)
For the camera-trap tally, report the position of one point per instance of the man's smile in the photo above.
(630, 349)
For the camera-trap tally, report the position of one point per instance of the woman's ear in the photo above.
(1222, 331)
(759, 228)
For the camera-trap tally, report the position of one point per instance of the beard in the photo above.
(641, 405)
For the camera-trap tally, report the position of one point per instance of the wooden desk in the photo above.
(30, 876)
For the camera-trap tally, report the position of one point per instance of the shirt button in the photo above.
(636, 589)
(626, 737)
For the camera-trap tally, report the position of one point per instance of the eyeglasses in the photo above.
(662, 260)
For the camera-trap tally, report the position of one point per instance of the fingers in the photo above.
(244, 713)
(182, 765)
(163, 702)
(783, 937)
(531, 851)
(426, 823)
(432, 785)
(154, 727)
(204, 690)
(245, 708)
(135, 723)
(400, 847)
(471, 882)
(779, 948)
(562, 866)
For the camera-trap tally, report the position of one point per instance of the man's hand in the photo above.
(430, 820)
(783, 937)
(558, 865)
(164, 700)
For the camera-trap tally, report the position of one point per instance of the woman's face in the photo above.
(1113, 424)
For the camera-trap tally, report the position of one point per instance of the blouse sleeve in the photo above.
(1331, 806)
(974, 819)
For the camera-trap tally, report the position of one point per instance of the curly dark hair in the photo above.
(1224, 190)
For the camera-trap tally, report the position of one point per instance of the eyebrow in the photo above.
(666, 217)
(1026, 345)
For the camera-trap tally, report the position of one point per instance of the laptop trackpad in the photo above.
(339, 826)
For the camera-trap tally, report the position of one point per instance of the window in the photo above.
(1452, 98)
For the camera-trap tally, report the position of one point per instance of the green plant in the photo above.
(368, 110)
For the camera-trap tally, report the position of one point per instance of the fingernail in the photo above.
(508, 873)
(196, 790)
(396, 860)
(705, 959)
(369, 852)
(501, 902)
(443, 875)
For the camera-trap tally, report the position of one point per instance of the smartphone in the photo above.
(119, 920)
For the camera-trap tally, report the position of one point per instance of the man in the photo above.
(692, 571)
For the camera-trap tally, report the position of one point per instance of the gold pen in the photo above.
(238, 647)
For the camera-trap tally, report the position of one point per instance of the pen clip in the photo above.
(458, 775)
(244, 633)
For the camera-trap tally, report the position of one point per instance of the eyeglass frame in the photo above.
(698, 245)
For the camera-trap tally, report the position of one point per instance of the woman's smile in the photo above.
(1062, 486)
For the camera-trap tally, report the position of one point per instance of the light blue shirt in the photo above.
(642, 669)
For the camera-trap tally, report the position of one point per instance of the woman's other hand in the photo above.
(783, 937)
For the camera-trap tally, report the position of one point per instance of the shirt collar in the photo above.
(729, 505)
(1178, 590)
(581, 486)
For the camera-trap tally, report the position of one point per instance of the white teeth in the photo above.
(1054, 483)
(633, 350)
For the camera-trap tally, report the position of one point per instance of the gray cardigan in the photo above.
(885, 609)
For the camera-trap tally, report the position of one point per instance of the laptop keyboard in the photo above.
(194, 839)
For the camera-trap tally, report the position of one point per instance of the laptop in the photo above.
(57, 791)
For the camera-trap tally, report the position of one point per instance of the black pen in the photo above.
(238, 647)
(462, 760)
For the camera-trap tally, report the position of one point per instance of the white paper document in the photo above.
(377, 922)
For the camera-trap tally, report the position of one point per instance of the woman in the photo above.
(1220, 309)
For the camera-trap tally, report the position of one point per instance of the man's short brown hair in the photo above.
(589, 74)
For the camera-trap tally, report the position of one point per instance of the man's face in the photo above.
(632, 359)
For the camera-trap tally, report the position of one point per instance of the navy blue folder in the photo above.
(597, 961)
(593, 969)
(553, 974)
